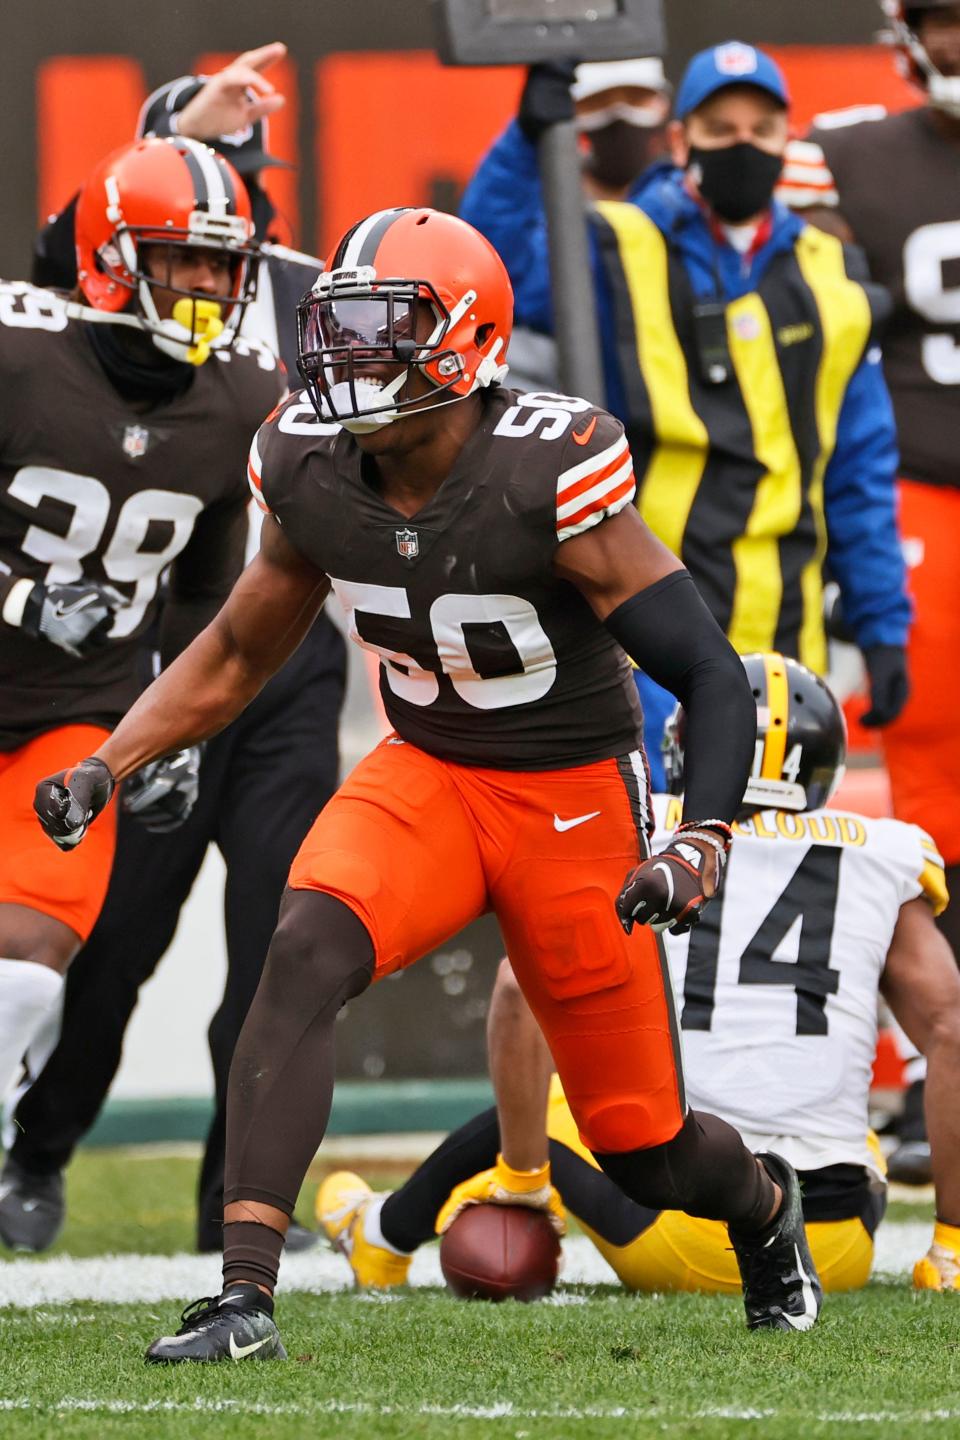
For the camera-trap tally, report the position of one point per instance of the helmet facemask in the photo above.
(942, 90)
(200, 321)
(352, 323)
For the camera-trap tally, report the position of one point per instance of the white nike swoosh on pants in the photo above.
(562, 825)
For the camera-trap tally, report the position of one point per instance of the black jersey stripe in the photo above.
(671, 1003)
(635, 773)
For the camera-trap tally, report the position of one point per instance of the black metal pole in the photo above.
(574, 302)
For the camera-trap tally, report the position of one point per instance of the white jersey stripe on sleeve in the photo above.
(604, 487)
(594, 462)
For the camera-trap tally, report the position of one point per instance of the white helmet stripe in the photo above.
(217, 199)
(353, 252)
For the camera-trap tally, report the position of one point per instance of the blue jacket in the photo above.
(504, 201)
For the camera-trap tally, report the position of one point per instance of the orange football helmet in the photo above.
(171, 192)
(403, 289)
(904, 17)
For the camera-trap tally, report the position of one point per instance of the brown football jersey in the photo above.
(487, 658)
(93, 488)
(898, 186)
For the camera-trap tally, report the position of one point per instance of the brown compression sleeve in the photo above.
(281, 1079)
(669, 632)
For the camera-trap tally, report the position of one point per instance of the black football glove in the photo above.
(889, 683)
(546, 98)
(666, 892)
(76, 617)
(162, 794)
(67, 802)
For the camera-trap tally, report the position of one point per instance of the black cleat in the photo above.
(781, 1289)
(299, 1238)
(237, 1325)
(911, 1163)
(32, 1208)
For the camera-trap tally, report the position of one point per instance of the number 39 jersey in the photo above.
(777, 987)
(93, 488)
(487, 658)
(895, 181)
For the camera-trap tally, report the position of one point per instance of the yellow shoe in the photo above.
(342, 1201)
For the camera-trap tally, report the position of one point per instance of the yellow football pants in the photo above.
(680, 1252)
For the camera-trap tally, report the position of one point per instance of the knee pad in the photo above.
(622, 1126)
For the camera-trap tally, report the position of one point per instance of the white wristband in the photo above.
(16, 601)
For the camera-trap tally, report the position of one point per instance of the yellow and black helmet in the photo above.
(801, 749)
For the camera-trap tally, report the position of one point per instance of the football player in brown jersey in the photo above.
(121, 452)
(840, 179)
(484, 545)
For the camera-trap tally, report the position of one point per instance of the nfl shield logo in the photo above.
(735, 59)
(136, 438)
(408, 544)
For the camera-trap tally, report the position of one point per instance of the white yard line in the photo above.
(121, 1279)
(505, 1410)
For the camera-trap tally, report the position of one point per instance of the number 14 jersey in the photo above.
(777, 987)
(487, 658)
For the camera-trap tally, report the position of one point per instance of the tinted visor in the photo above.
(375, 322)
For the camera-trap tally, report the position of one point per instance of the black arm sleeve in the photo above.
(669, 632)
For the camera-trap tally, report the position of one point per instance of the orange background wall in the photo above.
(389, 127)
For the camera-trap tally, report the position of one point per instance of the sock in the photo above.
(28, 993)
(251, 1252)
(371, 1227)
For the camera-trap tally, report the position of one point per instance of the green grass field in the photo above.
(593, 1361)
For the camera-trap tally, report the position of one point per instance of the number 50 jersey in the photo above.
(487, 658)
(777, 987)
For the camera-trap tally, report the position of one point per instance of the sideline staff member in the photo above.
(739, 351)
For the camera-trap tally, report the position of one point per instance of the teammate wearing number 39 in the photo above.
(484, 545)
(128, 407)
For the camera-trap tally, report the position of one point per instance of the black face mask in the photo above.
(737, 181)
(620, 152)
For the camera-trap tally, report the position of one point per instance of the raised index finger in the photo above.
(263, 57)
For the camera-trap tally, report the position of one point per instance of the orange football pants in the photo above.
(922, 747)
(418, 847)
(68, 885)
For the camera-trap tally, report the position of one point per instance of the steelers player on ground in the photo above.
(777, 992)
(839, 180)
(127, 411)
(484, 545)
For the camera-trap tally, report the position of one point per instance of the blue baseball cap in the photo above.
(731, 64)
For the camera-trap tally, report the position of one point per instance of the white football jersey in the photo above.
(777, 987)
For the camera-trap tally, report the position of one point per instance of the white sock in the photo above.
(28, 993)
(371, 1227)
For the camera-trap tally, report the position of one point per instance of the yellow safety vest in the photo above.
(730, 476)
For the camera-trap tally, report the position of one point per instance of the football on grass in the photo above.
(500, 1252)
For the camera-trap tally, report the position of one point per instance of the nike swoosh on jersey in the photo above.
(237, 1352)
(562, 825)
(582, 436)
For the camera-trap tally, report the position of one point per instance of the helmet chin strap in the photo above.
(172, 337)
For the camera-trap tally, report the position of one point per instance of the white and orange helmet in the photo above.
(363, 311)
(173, 191)
(903, 17)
